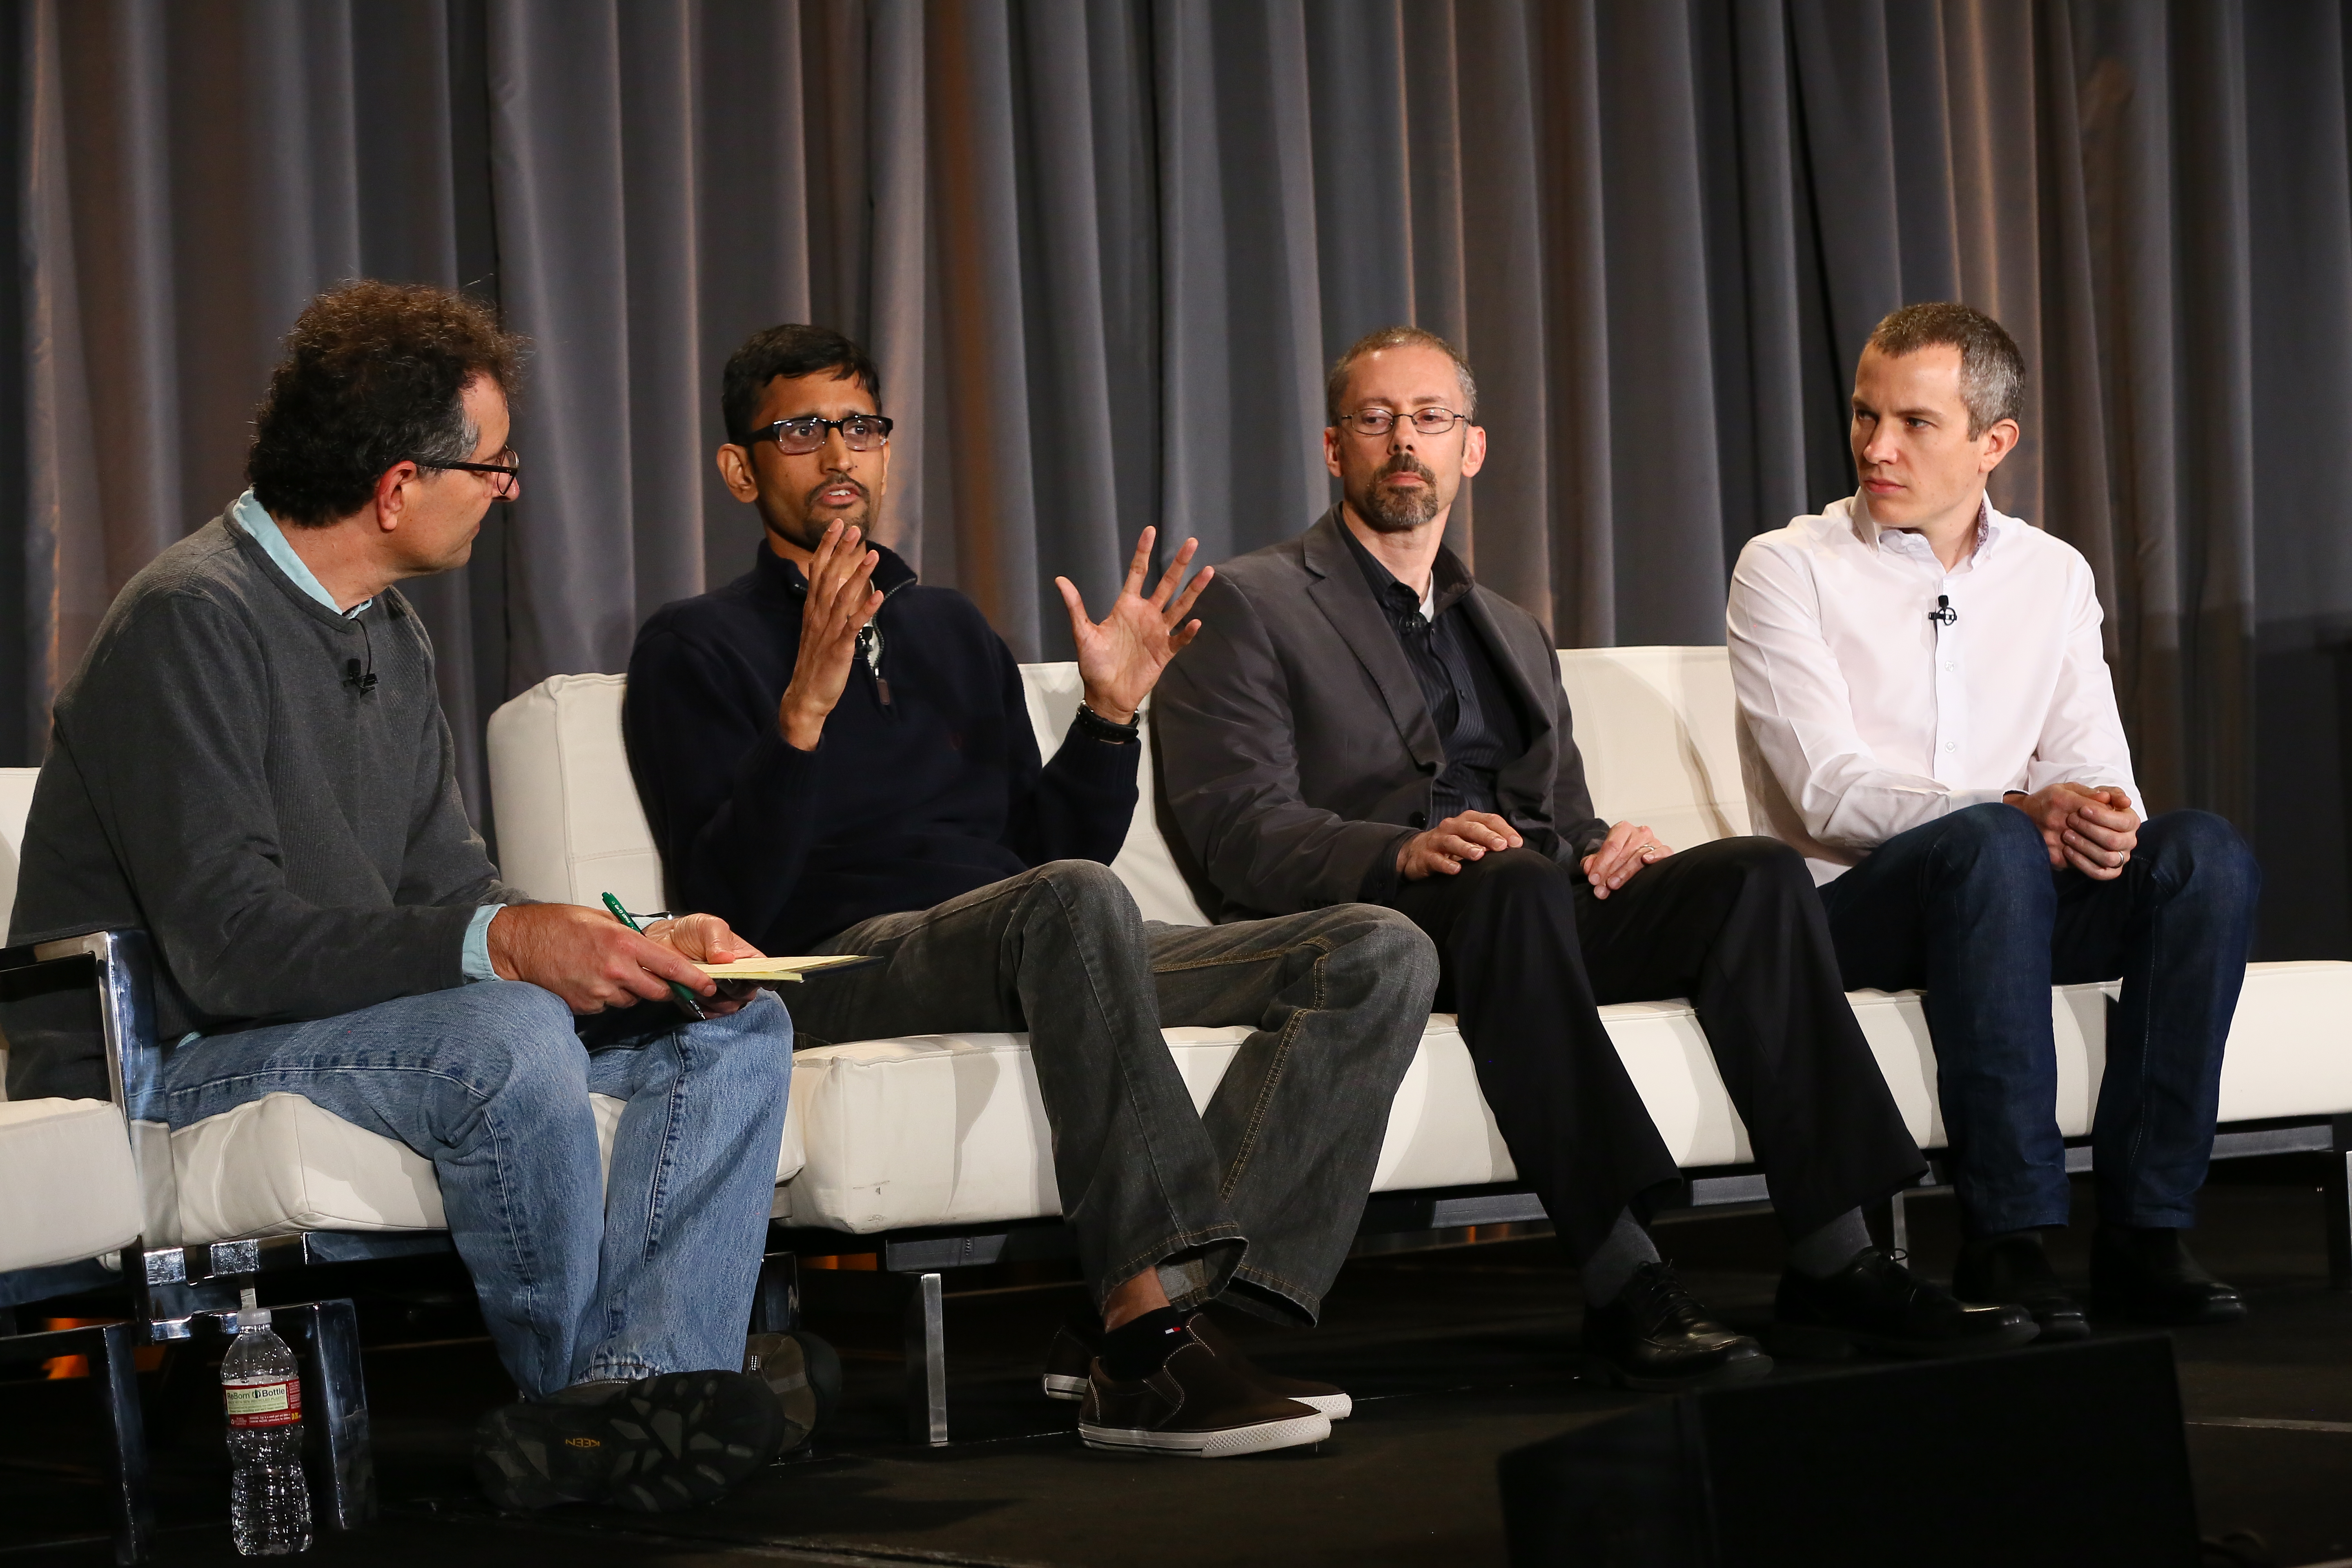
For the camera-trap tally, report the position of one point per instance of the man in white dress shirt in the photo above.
(1926, 714)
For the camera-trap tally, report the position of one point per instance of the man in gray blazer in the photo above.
(1360, 722)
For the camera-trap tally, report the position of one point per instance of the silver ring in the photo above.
(1645, 848)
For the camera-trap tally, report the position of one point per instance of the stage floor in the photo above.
(1453, 1356)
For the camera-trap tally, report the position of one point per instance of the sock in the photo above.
(1140, 1346)
(1827, 1250)
(1625, 1248)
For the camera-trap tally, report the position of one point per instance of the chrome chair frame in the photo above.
(178, 1292)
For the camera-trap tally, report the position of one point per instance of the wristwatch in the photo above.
(1103, 729)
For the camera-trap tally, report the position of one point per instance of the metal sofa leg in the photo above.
(2339, 1207)
(927, 1361)
(334, 1407)
(128, 1498)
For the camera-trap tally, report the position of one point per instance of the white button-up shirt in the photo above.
(1862, 714)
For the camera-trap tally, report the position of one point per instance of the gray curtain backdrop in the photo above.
(1103, 252)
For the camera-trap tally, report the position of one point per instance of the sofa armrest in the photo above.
(124, 973)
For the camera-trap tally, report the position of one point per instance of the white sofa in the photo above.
(948, 1132)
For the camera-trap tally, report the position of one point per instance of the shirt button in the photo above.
(1952, 745)
(1951, 666)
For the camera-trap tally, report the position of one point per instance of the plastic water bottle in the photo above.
(269, 1501)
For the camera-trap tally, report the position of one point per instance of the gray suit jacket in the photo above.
(1295, 751)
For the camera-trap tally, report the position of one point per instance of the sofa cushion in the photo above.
(1656, 726)
(281, 1164)
(66, 1186)
(570, 828)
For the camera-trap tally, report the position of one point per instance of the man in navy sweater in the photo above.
(837, 758)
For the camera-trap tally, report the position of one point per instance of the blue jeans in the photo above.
(580, 1278)
(1967, 906)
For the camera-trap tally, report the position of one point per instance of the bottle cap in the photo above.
(248, 1315)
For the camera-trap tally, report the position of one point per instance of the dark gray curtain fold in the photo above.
(1103, 252)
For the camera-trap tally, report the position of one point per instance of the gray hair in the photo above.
(1335, 385)
(1992, 373)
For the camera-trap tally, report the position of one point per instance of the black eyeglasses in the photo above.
(506, 476)
(1380, 421)
(798, 438)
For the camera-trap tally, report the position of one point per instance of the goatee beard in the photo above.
(1399, 512)
(812, 528)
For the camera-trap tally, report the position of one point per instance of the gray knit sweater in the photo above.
(291, 838)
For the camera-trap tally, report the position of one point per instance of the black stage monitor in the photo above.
(2069, 1455)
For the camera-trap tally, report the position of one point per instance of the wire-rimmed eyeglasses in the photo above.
(798, 438)
(505, 475)
(1379, 421)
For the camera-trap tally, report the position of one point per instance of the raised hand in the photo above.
(1440, 851)
(1120, 657)
(841, 599)
(1628, 848)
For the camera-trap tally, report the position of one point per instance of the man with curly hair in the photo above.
(252, 764)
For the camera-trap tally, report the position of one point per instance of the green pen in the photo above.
(686, 999)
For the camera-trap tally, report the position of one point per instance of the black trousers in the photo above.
(1528, 955)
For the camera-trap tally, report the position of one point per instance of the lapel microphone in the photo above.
(1942, 614)
(362, 680)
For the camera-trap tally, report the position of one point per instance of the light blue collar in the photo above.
(266, 532)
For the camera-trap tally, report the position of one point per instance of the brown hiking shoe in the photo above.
(1196, 1406)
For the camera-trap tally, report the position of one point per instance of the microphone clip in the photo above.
(1943, 613)
(362, 681)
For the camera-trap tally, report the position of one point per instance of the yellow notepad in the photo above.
(778, 968)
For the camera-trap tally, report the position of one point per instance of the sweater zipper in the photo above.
(870, 643)
(867, 646)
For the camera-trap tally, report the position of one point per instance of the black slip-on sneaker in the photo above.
(655, 1445)
(1875, 1303)
(1655, 1335)
(1196, 1406)
(1069, 1360)
(2015, 1270)
(1332, 1402)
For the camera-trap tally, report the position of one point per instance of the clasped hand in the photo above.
(593, 962)
(1472, 835)
(2092, 828)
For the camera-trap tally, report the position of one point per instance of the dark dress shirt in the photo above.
(1478, 721)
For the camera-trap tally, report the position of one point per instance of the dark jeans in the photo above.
(1967, 906)
(1259, 1197)
(1733, 925)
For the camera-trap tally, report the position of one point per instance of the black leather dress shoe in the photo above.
(2149, 1277)
(1655, 1335)
(1876, 1303)
(2014, 1268)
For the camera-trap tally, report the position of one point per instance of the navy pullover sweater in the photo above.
(927, 783)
